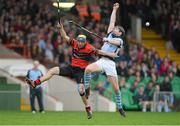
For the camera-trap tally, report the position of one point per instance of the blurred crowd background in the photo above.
(141, 71)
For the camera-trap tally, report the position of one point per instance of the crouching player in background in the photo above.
(81, 55)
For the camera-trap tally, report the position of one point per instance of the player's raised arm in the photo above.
(62, 32)
(113, 17)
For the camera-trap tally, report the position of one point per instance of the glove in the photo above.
(59, 25)
(105, 39)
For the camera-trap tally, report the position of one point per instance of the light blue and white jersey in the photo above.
(34, 74)
(108, 47)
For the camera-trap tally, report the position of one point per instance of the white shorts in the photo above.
(108, 66)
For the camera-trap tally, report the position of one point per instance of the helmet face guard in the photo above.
(81, 38)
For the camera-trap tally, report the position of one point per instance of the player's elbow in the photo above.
(117, 43)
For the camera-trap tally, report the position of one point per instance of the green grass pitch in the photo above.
(79, 118)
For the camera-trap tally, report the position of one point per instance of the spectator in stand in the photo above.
(145, 60)
(166, 85)
(176, 36)
(174, 67)
(105, 11)
(35, 50)
(153, 77)
(131, 72)
(139, 69)
(123, 83)
(167, 98)
(145, 69)
(138, 76)
(170, 74)
(142, 99)
(149, 90)
(134, 87)
(157, 61)
(122, 69)
(178, 71)
(159, 102)
(49, 57)
(164, 67)
(140, 54)
(134, 67)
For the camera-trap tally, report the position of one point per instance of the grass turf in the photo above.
(79, 118)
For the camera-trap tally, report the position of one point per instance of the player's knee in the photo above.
(88, 69)
(116, 90)
(54, 71)
(81, 89)
(51, 71)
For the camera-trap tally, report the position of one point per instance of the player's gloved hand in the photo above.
(59, 25)
(105, 39)
(116, 6)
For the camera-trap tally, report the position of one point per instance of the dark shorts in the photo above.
(72, 72)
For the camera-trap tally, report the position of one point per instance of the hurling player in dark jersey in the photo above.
(81, 55)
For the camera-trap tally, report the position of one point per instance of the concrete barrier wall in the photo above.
(59, 88)
(65, 90)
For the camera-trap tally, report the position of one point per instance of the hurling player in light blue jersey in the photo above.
(112, 43)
